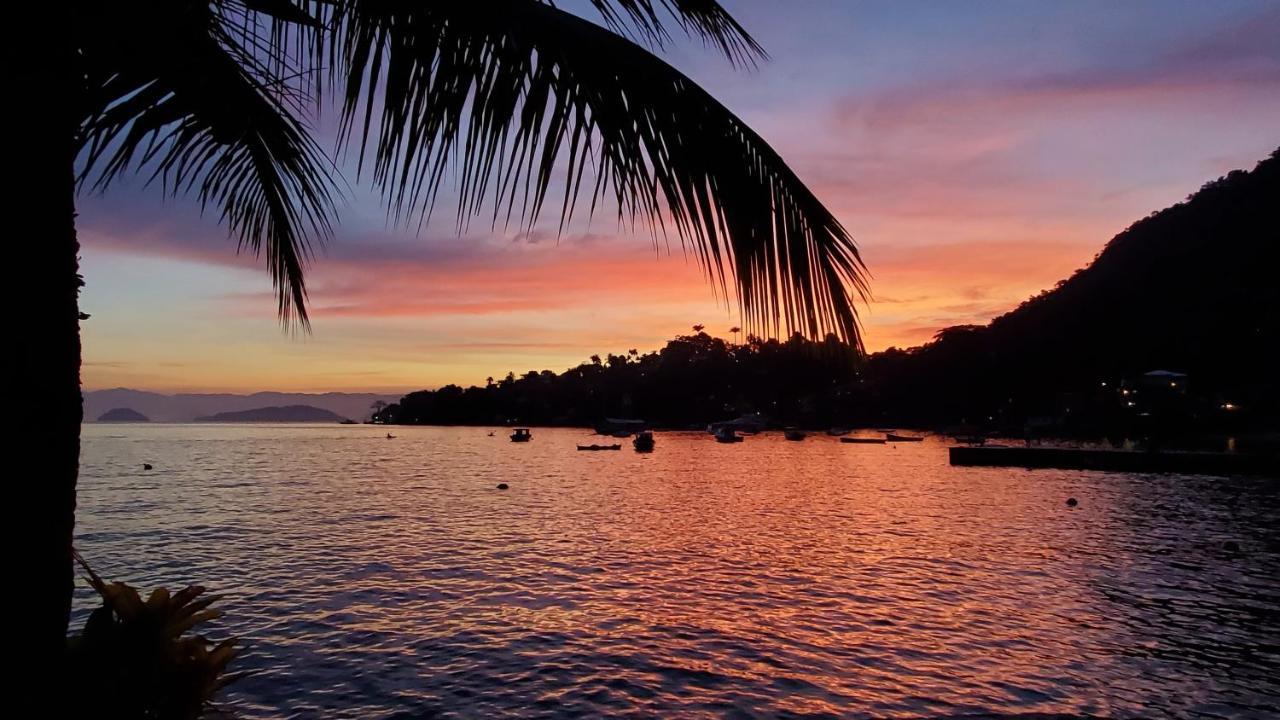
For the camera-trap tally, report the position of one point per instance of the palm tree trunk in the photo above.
(43, 382)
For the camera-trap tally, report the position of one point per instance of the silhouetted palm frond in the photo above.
(704, 18)
(513, 96)
(172, 92)
(520, 94)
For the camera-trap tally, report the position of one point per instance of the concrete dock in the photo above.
(1191, 463)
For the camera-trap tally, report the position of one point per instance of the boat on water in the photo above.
(727, 435)
(864, 440)
(643, 441)
(890, 437)
(599, 447)
(838, 432)
(521, 435)
(749, 424)
(794, 434)
(390, 436)
(619, 427)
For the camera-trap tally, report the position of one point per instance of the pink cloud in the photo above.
(967, 197)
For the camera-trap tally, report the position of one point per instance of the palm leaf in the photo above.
(523, 94)
(703, 18)
(513, 95)
(173, 91)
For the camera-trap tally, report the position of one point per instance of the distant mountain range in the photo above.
(288, 413)
(187, 407)
(127, 415)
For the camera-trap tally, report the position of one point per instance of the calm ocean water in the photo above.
(375, 578)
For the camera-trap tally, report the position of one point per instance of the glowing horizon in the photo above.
(978, 155)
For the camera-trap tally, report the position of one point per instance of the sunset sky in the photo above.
(978, 152)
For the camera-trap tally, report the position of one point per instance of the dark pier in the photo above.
(1191, 463)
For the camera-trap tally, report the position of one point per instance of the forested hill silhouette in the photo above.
(1190, 289)
(694, 379)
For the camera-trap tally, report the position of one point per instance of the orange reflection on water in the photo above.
(760, 578)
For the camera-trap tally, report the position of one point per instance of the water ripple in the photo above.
(389, 579)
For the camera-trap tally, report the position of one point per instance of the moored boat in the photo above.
(749, 424)
(643, 441)
(599, 447)
(890, 437)
(727, 435)
(521, 435)
(619, 427)
(838, 432)
(794, 434)
(863, 440)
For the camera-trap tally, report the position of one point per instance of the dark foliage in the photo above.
(143, 658)
(693, 380)
(1191, 288)
(1188, 289)
(515, 97)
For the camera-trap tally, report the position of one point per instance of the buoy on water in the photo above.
(502, 486)
(1072, 502)
(146, 466)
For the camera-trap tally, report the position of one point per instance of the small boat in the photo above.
(748, 424)
(612, 426)
(794, 434)
(971, 439)
(390, 436)
(727, 435)
(599, 447)
(890, 437)
(521, 435)
(863, 440)
(838, 432)
(490, 433)
(643, 441)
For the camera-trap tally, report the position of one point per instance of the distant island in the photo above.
(287, 413)
(122, 415)
(186, 407)
(1173, 328)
